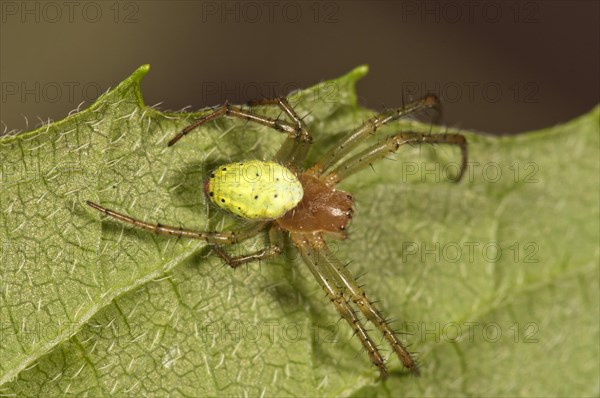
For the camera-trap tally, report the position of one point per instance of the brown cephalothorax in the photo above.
(279, 197)
(323, 209)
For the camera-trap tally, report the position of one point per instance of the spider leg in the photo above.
(343, 277)
(369, 127)
(335, 293)
(295, 132)
(390, 145)
(223, 238)
(295, 148)
(274, 249)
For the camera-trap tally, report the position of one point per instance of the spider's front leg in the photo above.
(391, 145)
(370, 127)
(220, 238)
(273, 250)
(344, 278)
(335, 293)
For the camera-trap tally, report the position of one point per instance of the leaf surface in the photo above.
(494, 280)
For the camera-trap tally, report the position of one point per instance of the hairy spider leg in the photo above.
(223, 238)
(295, 148)
(369, 127)
(391, 145)
(235, 111)
(335, 293)
(345, 279)
(273, 250)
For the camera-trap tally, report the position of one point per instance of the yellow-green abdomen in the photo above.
(255, 189)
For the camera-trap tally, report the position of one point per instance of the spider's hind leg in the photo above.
(302, 132)
(236, 111)
(295, 148)
(221, 238)
(273, 250)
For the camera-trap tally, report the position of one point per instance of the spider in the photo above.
(282, 197)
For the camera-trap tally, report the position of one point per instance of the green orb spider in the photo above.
(281, 197)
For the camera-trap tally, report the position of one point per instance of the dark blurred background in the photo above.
(499, 66)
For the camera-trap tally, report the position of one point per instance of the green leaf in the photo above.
(494, 279)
